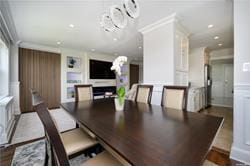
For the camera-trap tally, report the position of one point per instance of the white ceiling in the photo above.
(46, 22)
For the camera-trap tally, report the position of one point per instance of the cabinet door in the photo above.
(181, 78)
(181, 51)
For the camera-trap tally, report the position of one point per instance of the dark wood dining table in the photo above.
(148, 134)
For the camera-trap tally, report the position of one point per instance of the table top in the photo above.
(148, 134)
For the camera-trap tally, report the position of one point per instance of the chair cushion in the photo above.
(102, 159)
(76, 140)
(173, 98)
(143, 94)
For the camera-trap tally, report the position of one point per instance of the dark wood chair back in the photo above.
(78, 89)
(146, 93)
(178, 88)
(58, 154)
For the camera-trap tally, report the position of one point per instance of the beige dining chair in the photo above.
(57, 151)
(175, 97)
(132, 92)
(74, 140)
(83, 92)
(144, 93)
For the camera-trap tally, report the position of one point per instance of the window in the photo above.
(4, 70)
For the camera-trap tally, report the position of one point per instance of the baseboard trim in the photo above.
(221, 105)
(240, 155)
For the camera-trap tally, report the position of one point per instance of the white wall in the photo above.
(225, 53)
(241, 140)
(158, 59)
(196, 67)
(103, 57)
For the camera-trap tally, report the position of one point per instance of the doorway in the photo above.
(41, 71)
(222, 82)
(134, 74)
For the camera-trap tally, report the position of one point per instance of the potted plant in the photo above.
(120, 99)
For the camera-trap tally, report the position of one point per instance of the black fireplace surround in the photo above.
(100, 91)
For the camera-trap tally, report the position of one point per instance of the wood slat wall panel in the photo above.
(42, 71)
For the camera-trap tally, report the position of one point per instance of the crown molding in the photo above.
(170, 19)
(173, 18)
(6, 16)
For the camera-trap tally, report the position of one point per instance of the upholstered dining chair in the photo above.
(57, 151)
(132, 92)
(75, 140)
(144, 93)
(83, 92)
(175, 97)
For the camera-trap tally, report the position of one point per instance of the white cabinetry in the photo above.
(7, 119)
(181, 45)
(196, 96)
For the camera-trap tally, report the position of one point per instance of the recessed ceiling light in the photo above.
(140, 47)
(115, 39)
(210, 26)
(216, 37)
(71, 25)
(92, 49)
(58, 43)
(220, 44)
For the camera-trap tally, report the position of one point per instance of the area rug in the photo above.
(33, 154)
(30, 127)
(30, 154)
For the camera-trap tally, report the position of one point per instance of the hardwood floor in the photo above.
(224, 138)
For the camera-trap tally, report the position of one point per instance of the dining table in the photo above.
(147, 134)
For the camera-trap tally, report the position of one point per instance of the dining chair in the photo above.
(75, 140)
(144, 93)
(57, 153)
(132, 92)
(175, 97)
(83, 92)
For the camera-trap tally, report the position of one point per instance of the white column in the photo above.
(241, 141)
(159, 50)
(14, 82)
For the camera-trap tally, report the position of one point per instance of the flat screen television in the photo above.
(100, 70)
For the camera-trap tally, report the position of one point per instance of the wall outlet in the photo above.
(246, 66)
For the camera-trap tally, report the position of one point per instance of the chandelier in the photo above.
(116, 16)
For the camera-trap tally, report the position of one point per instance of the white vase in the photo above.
(119, 104)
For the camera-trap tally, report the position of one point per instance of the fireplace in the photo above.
(101, 90)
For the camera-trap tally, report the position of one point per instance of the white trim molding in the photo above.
(169, 19)
(241, 86)
(240, 155)
(241, 142)
(14, 91)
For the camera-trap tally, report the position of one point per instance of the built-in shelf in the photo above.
(73, 73)
(70, 92)
(74, 77)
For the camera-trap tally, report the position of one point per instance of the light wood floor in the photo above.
(224, 138)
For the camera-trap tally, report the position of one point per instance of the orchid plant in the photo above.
(117, 64)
